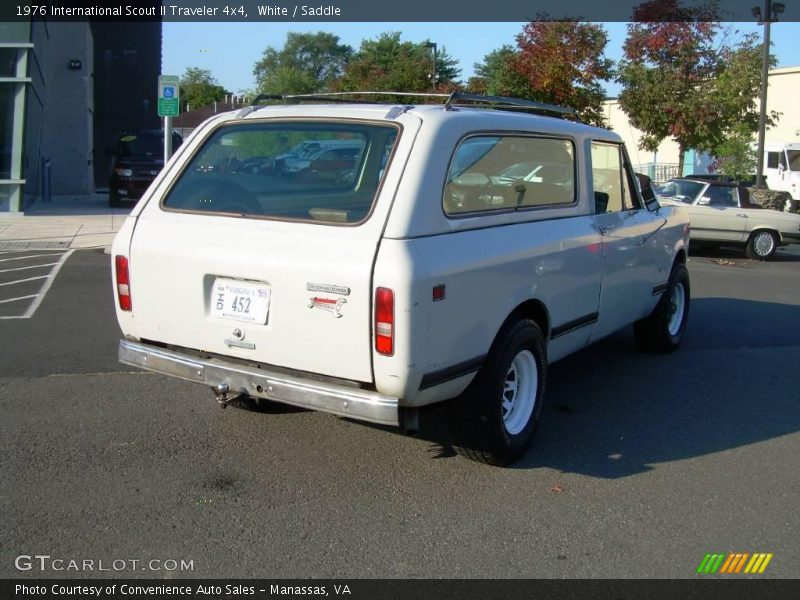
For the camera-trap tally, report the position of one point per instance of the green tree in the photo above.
(563, 63)
(680, 81)
(736, 154)
(497, 75)
(199, 88)
(308, 62)
(387, 63)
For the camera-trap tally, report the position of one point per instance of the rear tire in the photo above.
(494, 420)
(663, 330)
(761, 245)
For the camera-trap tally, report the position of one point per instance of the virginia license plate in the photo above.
(240, 300)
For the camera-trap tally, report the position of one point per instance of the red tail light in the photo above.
(384, 321)
(123, 283)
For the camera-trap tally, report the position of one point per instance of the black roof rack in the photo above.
(506, 102)
(452, 100)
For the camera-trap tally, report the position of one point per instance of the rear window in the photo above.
(312, 171)
(141, 146)
(490, 173)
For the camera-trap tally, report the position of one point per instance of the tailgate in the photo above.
(244, 288)
(234, 257)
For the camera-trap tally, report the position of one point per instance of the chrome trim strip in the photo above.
(354, 403)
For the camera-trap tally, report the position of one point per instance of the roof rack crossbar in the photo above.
(341, 96)
(451, 100)
(508, 102)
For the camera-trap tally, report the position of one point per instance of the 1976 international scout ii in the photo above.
(433, 252)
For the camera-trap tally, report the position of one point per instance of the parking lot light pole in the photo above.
(432, 45)
(766, 18)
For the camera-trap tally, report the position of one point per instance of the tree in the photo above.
(308, 62)
(388, 64)
(199, 88)
(563, 63)
(497, 75)
(679, 81)
(736, 154)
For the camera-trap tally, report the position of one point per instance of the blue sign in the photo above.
(169, 92)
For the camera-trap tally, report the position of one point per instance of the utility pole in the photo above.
(766, 18)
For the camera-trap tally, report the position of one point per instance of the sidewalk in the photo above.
(68, 221)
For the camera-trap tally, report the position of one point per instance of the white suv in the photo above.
(462, 251)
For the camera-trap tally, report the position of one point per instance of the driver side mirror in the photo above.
(704, 201)
(646, 188)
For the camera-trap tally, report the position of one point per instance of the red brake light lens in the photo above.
(384, 321)
(123, 283)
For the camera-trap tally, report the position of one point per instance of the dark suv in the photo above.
(137, 159)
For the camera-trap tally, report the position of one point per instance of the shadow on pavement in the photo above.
(612, 412)
(784, 254)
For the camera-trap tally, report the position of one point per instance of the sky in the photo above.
(229, 50)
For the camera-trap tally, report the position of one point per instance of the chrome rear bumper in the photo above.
(345, 401)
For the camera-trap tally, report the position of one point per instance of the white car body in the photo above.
(736, 222)
(583, 275)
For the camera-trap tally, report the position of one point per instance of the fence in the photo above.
(659, 172)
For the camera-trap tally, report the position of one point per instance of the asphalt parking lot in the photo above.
(642, 464)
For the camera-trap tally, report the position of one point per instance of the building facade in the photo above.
(66, 90)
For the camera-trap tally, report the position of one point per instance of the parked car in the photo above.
(137, 158)
(326, 163)
(721, 213)
(374, 298)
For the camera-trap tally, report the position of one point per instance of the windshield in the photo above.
(245, 170)
(684, 191)
(794, 159)
(141, 145)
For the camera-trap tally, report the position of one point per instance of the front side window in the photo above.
(612, 180)
(307, 171)
(504, 172)
(794, 160)
(679, 189)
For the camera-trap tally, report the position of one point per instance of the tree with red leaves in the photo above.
(563, 63)
(679, 81)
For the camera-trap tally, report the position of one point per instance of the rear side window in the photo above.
(773, 160)
(489, 173)
(323, 172)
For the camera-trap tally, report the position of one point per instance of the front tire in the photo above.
(761, 245)
(495, 418)
(662, 331)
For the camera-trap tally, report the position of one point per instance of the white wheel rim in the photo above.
(519, 392)
(763, 243)
(677, 302)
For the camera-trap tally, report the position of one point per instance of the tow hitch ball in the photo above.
(224, 397)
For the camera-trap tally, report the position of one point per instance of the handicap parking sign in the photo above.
(169, 92)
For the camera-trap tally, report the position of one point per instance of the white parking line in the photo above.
(39, 297)
(23, 280)
(33, 267)
(15, 299)
(53, 255)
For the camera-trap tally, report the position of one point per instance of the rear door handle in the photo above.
(741, 215)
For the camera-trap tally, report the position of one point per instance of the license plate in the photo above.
(240, 300)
